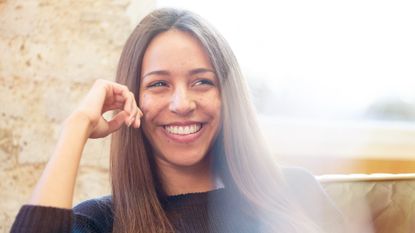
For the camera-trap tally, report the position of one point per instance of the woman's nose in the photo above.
(182, 102)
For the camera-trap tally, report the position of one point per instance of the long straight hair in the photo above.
(242, 158)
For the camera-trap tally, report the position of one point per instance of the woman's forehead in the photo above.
(175, 50)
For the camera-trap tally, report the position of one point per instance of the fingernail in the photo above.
(132, 118)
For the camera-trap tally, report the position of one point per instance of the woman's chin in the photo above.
(184, 160)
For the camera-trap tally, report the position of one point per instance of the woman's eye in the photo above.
(157, 84)
(203, 82)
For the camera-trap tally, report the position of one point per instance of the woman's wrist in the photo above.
(79, 121)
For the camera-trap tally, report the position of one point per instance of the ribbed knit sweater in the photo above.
(194, 212)
(207, 212)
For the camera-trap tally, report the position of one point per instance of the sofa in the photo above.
(376, 203)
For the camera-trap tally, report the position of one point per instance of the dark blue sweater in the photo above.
(214, 211)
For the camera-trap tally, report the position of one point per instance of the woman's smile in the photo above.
(183, 132)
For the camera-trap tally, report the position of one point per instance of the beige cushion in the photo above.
(381, 203)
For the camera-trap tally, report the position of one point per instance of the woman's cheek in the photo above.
(152, 105)
(214, 102)
(145, 105)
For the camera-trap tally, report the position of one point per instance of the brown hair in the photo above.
(241, 156)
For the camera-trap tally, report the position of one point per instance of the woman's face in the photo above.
(180, 99)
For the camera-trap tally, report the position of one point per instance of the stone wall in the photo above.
(51, 52)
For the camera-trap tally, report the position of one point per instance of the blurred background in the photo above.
(333, 81)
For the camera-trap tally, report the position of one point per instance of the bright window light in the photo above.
(312, 63)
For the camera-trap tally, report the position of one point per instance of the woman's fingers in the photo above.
(106, 96)
(132, 107)
(113, 106)
(139, 112)
(125, 102)
(134, 120)
(130, 120)
(137, 121)
(122, 93)
(116, 122)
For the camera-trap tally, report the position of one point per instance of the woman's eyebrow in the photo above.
(200, 70)
(156, 72)
(190, 73)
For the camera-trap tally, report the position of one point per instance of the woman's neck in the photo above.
(186, 179)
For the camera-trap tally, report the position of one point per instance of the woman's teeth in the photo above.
(183, 130)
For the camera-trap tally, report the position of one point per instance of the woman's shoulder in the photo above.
(301, 181)
(304, 187)
(312, 198)
(297, 174)
(99, 203)
(97, 213)
(303, 184)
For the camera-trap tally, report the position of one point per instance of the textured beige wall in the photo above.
(50, 53)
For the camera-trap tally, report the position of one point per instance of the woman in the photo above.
(189, 158)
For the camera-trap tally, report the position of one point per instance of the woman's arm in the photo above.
(56, 185)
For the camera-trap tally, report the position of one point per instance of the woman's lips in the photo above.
(183, 133)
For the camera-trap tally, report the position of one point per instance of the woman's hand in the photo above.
(106, 96)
